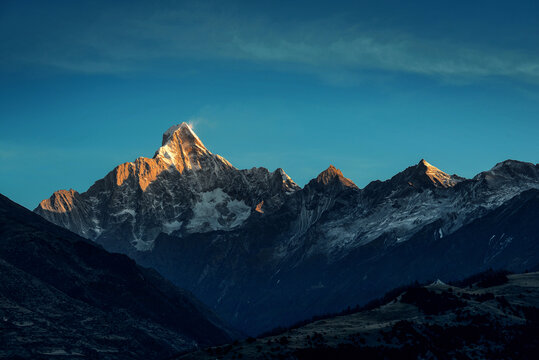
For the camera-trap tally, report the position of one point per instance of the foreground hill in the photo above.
(493, 317)
(263, 252)
(61, 294)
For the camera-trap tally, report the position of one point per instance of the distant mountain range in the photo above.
(263, 252)
(63, 296)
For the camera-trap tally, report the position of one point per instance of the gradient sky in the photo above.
(371, 88)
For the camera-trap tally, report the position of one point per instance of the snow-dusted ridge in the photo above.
(186, 189)
(438, 177)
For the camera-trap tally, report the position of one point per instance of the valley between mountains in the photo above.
(262, 252)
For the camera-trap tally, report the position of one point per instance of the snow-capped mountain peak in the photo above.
(421, 176)
(437, 176)
(182, 148)
(184, 188)
(183, 131)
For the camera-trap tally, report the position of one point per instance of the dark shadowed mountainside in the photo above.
(63, 295)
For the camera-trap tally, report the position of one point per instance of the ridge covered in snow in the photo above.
(438, 177)
(184, 188)
(187, 189)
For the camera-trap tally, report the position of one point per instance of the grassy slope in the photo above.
(436, 321)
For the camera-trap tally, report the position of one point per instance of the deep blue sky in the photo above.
(371, 88)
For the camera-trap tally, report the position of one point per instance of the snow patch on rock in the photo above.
(216, 210)
(171, 226)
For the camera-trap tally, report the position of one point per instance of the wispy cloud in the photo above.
(401, 54)
(197, 121)
(116, 43)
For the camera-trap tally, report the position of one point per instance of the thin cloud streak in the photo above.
(128, 44)
(396, 53)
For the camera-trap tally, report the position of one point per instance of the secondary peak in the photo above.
(331, 173)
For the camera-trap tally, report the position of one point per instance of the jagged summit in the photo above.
(329, 174)
(183, 131)
(424, 162)
(183, 188)
(182, 148)
(421, 176)
(436, 176)
(332, 174)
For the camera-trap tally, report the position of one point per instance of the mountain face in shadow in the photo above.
(63, 295)
(506, 237)
(263, 252)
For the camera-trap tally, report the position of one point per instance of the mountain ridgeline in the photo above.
(263, 252)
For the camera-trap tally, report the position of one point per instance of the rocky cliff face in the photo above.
(251, 243)
(183, 189)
